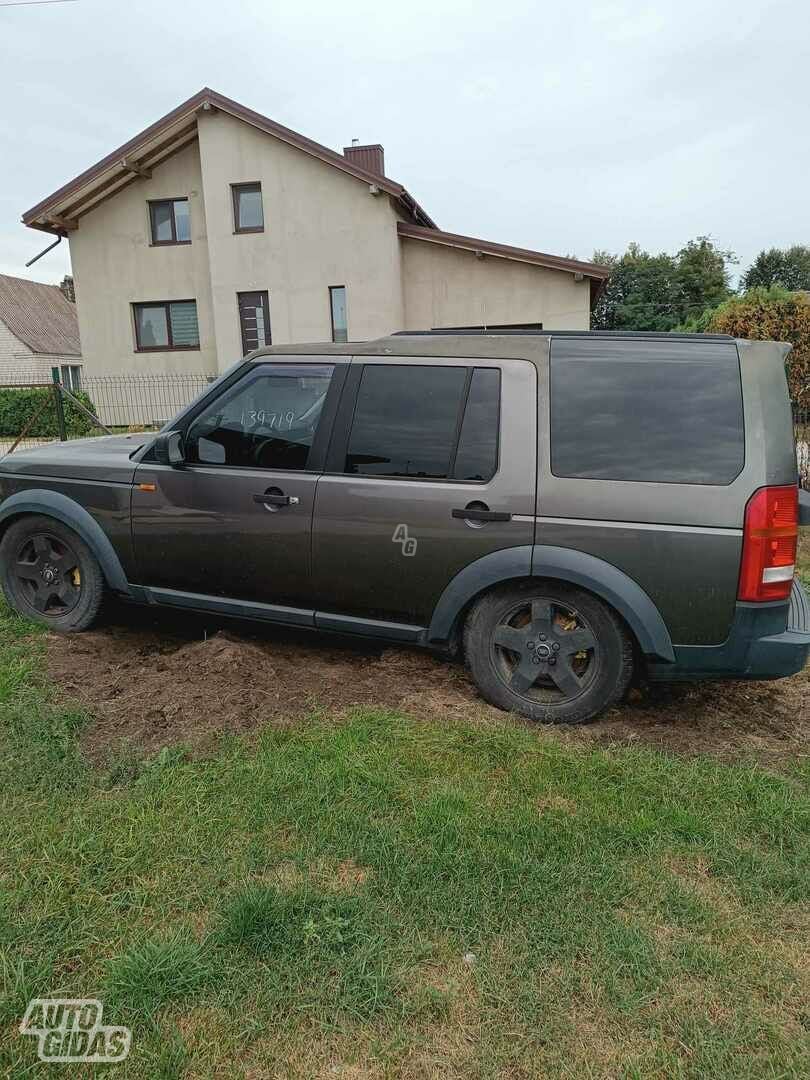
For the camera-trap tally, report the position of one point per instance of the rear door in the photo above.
(417, 442)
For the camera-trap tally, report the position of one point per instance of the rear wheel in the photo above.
(548, 651)
(49, 574)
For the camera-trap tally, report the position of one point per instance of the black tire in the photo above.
(50, 575)
(548, 651)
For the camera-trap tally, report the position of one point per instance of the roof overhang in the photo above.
(60, 212)
(596, 274)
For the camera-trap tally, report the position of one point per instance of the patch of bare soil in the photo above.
(154, 680)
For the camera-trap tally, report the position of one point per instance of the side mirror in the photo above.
(169, 448)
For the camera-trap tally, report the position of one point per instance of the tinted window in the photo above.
(477, 456)
(646, 410)
(267, 420)
(406, 421)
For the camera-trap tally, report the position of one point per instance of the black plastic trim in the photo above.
(563, 564)
(246, 609)
(347, 624)
(288, 616)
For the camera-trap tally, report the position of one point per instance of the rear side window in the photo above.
(477, 456)
(658, 411)
(425, 422)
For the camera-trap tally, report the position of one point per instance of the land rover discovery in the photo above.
(560, 508)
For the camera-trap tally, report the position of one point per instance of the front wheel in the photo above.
(50, 575)
(548, 651)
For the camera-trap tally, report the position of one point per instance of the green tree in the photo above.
(638, 295)
(788, 267)
(657, 292)
(703, 277)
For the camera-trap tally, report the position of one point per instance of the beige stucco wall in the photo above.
(321, 228)
(446, 286)
(114, 266)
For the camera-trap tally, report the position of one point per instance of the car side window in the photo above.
(425, 422)
(267, 420)
(477, 456)
(668, 412)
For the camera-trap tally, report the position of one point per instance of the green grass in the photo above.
(383, 896)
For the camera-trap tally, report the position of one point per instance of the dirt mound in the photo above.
(155, 680)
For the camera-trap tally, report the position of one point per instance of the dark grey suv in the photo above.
(562, 508)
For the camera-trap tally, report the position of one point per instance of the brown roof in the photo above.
(40, 316)
(61, 210)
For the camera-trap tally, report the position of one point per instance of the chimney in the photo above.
(370, 157)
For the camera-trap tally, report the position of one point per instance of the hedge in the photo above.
(773, 314)
(17, 406)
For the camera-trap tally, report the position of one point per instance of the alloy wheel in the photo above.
(48, 574)
(545, 651)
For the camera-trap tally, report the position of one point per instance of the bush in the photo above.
(766, 314)
(777, 315)
(19, 405)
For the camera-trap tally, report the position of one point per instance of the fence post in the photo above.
(59, 404)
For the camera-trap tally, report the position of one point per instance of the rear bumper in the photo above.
(767, 641)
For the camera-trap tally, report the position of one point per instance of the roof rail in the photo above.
(654, 335)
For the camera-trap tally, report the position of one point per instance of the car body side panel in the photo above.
(691, 573)
(680, 542)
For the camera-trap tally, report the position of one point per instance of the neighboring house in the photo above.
(38, 331)
(217, 230)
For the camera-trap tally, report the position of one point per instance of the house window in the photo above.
(71, 376)
(254, 320)
(170, 221)
(248, 214)
(337, 303)
(166, 324)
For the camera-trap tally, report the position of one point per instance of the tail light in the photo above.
(770, 536)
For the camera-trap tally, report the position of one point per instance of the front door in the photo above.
(421, 441)
(235, 519)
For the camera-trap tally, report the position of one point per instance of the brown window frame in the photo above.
(332, 290)
(167, 305)
(174, 241)
(252, 185)
(266, 305)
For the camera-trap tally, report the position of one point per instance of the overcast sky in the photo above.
(559, 127)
